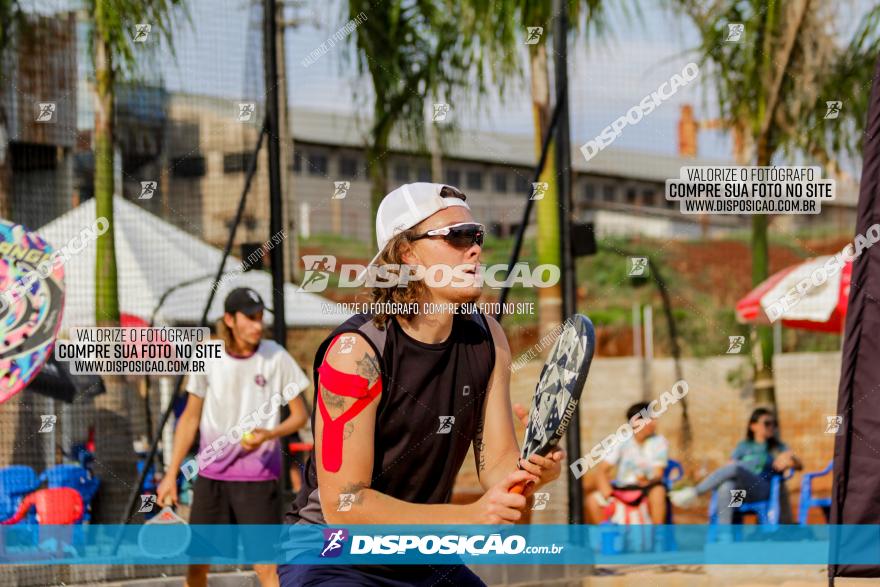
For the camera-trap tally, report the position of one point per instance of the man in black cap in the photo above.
(235, 407)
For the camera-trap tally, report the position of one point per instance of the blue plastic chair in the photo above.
(16, 481)
(767, 511)
(77, 478)
(807, 500)
(613, 539)
(671, 475)
(150, 484)
(673, 472)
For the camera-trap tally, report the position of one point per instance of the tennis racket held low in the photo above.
(558, 390)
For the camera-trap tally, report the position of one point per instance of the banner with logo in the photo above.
(447, 544)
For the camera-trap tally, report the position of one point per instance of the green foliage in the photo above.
(413, 50)
(800, 42)
(114, 24)
(10, 18)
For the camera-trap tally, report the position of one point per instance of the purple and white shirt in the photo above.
(240, 394)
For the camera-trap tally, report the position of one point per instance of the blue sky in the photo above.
(218, 55)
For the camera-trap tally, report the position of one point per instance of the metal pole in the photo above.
(647, 392)
(527, 212)
(178, 379)
(286, 146)
(270, 54)
(637, 341)
(276, 209)
(563, 166)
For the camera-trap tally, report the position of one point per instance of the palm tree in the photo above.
(11, 18)
(412, 51)
(771, 88)
(502, 28)
(548, 251)
(415, 50)
(115, 56)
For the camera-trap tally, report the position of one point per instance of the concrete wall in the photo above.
(806, 391)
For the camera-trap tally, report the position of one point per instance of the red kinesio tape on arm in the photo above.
(348, 385)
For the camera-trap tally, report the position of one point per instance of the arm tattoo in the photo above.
(331, 400)
(349, 429)
(355, 490)
(480, 447)
(368, 368)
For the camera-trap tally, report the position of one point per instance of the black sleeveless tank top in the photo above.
(429, 411)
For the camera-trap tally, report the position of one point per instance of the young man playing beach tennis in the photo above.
(402, 398)
(235, 409)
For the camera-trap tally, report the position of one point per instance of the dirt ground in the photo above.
(714, 576)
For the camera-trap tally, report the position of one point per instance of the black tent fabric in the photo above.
(55, 380)
(856, 480)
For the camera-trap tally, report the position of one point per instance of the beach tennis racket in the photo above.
(559, 388)
(164, 535)
(31, 301)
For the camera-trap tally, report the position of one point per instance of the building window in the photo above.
(348, 167)
(297, 162)
(608, 193)
(648, 197)
(237, 162)
(589, 192)
(499, 180)
(474, 180)
(190, 166)
(401, 172)
(522, 184)
(318, 165)
(424, 174)
(453, 177)
(631, 196)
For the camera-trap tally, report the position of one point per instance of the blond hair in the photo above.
(414, 291)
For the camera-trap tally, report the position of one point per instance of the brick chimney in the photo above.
(687, 132)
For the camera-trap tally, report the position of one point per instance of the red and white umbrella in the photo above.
(822, 308)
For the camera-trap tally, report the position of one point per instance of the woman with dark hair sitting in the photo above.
(755, 460)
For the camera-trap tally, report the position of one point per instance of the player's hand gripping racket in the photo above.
(559, 389)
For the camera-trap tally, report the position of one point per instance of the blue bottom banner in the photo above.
(440, 544)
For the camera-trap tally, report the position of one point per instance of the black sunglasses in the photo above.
(460, 236)
(768, 423)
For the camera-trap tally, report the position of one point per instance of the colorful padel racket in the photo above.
(559, 388)
(164, 535)
(31, 302)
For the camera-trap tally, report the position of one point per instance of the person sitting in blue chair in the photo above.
(754, 463)
(640, 463)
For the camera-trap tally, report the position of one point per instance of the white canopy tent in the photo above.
(153, 258)
(300, 308)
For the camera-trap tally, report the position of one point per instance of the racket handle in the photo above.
(519, 488)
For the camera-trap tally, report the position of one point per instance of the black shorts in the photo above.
(232, 503)
(378, 576)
